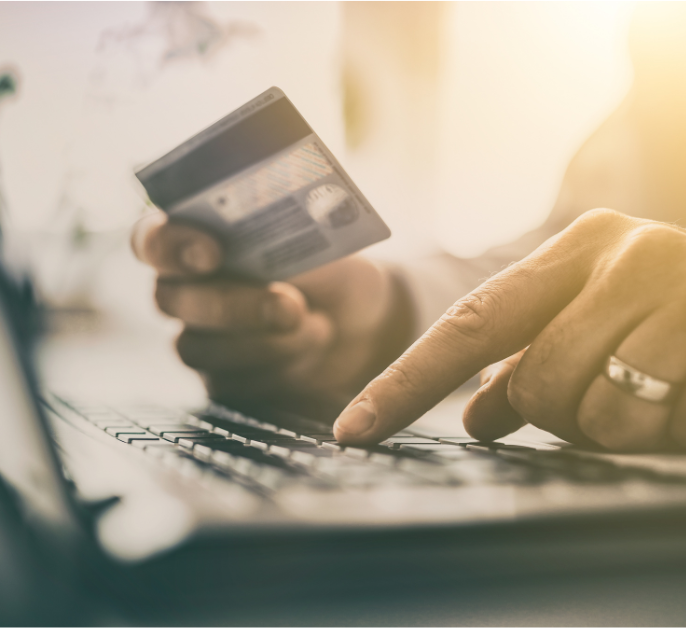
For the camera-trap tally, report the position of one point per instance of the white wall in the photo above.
(95, 102)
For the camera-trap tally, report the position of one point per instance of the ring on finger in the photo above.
(639, 384)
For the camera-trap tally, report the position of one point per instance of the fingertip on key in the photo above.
(355, 421)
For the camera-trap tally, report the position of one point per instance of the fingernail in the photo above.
(198, 257)
(279, 312)
(357, 419)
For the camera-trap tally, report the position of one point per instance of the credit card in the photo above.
(262, 182)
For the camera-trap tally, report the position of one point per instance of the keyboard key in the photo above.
(452, 454)
(207, 439)
(423, 450)
(280, 451)
(383, 459)
(115, 431)
(191, 469)
(121, 423)
(231, 463)
(180, 428)
(228, 445)
(244, 430)
(322, 436)
(433, 473)
(355, 474)
(482, 470)
(174, 458)
(128, 437)
(320, 453)
(457, 441)
(271, 478)
(398, 441)
(303, 458)
(200, 423)
(480, 448)
(159, 449)
(202, 451)
(357, 453)
(148, 423)
(494, 446)
(308, 439)
(144, 442)
(286, 442)
(174, 437)
(287, 433)
(562, 464)
(332, 446)
(255, 467)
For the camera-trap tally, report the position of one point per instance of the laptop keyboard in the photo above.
(266, 457)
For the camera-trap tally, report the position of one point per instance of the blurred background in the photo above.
(456, 120)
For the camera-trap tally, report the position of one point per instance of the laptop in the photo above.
(143, 513)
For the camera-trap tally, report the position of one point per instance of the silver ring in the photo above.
(640, 384)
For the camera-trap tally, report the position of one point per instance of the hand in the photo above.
(607, 285)
(308, 345)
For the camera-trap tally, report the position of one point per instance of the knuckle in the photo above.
(402, 377)
(592, 230)
(650, 252)
(598, 220)
(473, 315)
(654, 241)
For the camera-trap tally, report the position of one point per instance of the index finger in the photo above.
(498, 319)
(174, 249)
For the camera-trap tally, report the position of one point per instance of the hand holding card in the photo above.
(263, 183)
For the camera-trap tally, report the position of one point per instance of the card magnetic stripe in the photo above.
(248, 142)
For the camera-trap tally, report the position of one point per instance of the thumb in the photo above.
(489, 415)
(174, 249)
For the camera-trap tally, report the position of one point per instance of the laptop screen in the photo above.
(27, 462)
